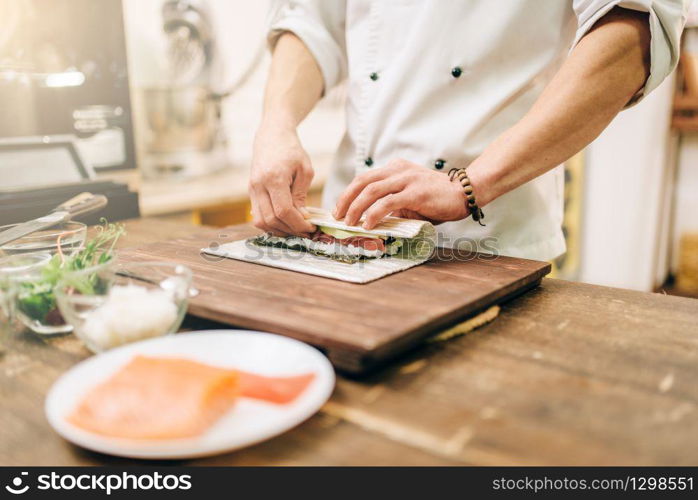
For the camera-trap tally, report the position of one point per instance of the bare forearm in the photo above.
(608, 66)
(281, 171)
(295, 83)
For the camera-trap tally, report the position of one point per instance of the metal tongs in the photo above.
(81, 204)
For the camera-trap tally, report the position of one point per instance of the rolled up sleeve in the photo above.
(320, 25)
(667, 19)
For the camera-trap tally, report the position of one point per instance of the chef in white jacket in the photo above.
(509, 89)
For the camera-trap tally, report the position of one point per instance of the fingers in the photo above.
(300, 187)
(258, 218)
(356, 187)
(278, 202)
(371, 194)
(264, 216)
(384, 207)
(286, 212)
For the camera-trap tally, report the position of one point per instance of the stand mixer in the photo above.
(179, 120)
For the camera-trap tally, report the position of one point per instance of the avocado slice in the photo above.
(341, 234)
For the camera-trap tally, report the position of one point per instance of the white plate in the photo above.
(248, 422)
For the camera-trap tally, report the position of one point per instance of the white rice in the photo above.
(130, 313)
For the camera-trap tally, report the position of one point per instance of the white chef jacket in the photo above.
(435, 81)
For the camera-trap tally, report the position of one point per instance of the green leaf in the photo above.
(36, 298)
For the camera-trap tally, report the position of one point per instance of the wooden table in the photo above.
(567, 374)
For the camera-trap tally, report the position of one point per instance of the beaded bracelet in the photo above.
(468, 192)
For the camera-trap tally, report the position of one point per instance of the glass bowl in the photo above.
(124, 303)
(35, 302)
(13, 271)
(66, 236)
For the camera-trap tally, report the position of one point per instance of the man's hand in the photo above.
(404, 189)
(279, 182)
(281, 171)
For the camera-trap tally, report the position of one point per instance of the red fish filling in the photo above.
(357, 241)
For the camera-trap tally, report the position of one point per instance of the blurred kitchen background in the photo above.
(155, 104)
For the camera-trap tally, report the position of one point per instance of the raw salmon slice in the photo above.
(280, 390)
(158, 398)
(172, 398)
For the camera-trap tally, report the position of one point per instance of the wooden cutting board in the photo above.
(357, 326)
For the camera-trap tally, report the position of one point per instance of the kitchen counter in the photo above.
(568, 374)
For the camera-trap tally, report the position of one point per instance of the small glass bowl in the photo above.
(35, 301)
(13, 270)
(70, 235)
(124, 303)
